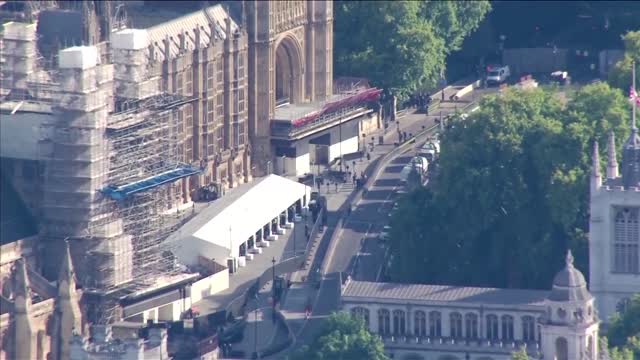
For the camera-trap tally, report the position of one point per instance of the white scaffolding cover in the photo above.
(230, 221)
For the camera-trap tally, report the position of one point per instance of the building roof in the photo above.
(443, 293)
(235, 217)
(199, 19)
(569, 284)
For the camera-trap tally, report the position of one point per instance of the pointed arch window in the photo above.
(399, 322)
(626, 242)
(420, 323)
(384, 323)
(455, 321)
(435, 324)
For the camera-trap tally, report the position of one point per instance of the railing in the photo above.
(425, 341)
(287, 130)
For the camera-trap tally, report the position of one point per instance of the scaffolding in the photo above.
(144, 142)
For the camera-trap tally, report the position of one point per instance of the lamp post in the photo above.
(255, 342)
(273, 272)
(294, 233)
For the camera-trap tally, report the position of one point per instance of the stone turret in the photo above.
(68, 317)
(23, 327)
(612, 162)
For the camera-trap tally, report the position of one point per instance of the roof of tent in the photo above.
(241, 212)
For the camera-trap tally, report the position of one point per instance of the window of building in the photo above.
(240, 66)
(210, 76)
(507, 328)
(435, 324)
(420, 323)
(189, 81)
(211, 108)
(180, 122)
(220, 137)
(220, 105)
(240, 100)
(211, 143)
(455, 320)
(188, 119)
(384, 323)
(179, 80)
(399, 322)
(626, 243)
(471, 326)
(492, 327)
(241, 133)
(188, 148)
(219, 73)
(362, 313)
(528, 328)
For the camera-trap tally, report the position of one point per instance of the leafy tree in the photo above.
(520, 355)
(620, 75)
(400, 45)
(512, 188)
(624, 328)
(343, 337)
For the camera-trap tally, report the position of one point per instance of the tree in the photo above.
(343, 337)
(512, 188)
(624, 328)
(520, 355)
(400, 45)
(620, 75)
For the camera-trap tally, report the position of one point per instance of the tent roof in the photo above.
(243, 211)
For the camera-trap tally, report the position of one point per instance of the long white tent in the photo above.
(218, 231)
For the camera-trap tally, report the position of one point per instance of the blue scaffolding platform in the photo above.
(123, 191)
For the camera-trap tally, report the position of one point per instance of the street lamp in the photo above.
(255, 343)
(273, 283)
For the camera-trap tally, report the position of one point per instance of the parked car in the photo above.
(561, 77)
(498, 75)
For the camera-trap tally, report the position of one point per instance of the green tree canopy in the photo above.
(401, 45)
(620, 75)
(520, 355)
(625, 324)
(512, 189)
(343, 337)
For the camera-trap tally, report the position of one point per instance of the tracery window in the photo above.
(455, 322)
(626, 243)
(384, 322)
(211, 108)
(220, 137)
(219, 73)
(362, 313)
(420, 323)
(528, 328)
(189, 82)
(399, 322)
(210, 76)
(492, 327)
(211, 144)
(435, 324)
(471, 326)
(507, 327)
(220, 105)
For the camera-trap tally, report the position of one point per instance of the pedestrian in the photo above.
(442, 95)
(368, 156)
(336, 183)
(306, 231)
(354, 177)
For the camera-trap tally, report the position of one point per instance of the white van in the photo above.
(498, 75)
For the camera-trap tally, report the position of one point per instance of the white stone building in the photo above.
(447, 322)
(614, 226)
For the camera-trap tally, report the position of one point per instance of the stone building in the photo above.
(37, 319)
(614, 225)
(454, 323)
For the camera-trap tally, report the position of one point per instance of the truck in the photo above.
(498, 75)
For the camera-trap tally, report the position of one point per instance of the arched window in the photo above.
(435, 324)
(471, 326)
(492, 327)
(420, 323)
(399, 322)
(507, 327)
(384, 323)
(626, 244)
(455, 321)
(528, 328)
(562, 349)
(362, 313)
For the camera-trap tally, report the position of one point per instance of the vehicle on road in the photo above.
(498, 75)
(385, 234)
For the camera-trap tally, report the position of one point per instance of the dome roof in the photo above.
(569, 284)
